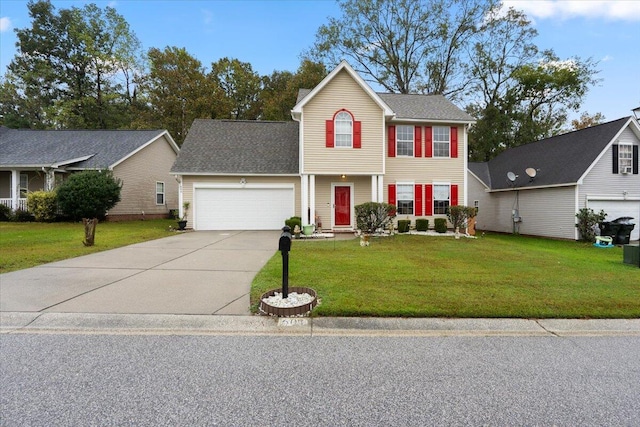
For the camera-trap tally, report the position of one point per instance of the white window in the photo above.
(625, 158)
(440, 199)
(441, 141)
(476, 206)
(24, 185)
(343, 129)
(159, 193)
(404, 141)
(404, 199)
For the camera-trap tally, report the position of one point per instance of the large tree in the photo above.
(280, 89)
(69, 69)
(174, 92)
(405, 46)
(241, 89)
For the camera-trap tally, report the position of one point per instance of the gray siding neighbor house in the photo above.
(32, 160)
(538, 188)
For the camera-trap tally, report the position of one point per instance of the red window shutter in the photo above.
(428, 198)
(417, 142)
(428, 142)
(357, 134)
(329, 136)
(454, 195)
(454, 142)
(391, 141)
(392, 194)
(417, 202)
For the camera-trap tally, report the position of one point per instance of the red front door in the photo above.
(343, 205)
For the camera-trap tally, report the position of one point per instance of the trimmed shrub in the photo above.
(588, 220)
(293, 221)
(422, 224)
(403, 225)
(5, 213)
(21, 215)
(42, 204)
(372, 216)
(440, 225)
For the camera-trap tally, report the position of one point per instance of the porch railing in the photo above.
(22, 203)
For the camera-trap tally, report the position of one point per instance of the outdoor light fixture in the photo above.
(243, 181)
(343, 176)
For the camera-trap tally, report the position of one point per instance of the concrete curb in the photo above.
(166, 324)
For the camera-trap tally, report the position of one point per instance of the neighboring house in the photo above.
(32, 160)
(347, 145)
(595, 168)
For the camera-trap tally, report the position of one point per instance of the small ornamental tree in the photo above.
(373, 216)
(89, 195)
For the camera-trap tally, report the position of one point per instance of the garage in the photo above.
(243, 207)
(619, 208)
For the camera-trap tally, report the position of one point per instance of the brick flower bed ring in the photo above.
(298, 310)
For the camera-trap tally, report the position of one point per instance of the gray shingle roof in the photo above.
(28, 147)
(561, 159)
(427, 107)
(417, 107)
(239, 146)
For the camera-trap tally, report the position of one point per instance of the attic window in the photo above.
(625, 158)
(344, 129)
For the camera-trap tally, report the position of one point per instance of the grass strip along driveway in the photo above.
(27, 244)
(492, 276)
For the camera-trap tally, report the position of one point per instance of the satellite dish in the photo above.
(511, 176)
(531, 172)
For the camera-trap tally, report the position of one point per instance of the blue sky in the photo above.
(271, 35)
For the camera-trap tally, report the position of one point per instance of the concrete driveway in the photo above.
(204, 272)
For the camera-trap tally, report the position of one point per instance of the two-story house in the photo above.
(347, 145)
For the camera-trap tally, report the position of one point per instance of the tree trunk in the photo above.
(89, 230)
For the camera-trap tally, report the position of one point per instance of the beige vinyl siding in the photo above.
(601, 181)
(548, 212)
(427, 170)
(324, 210)
(139, 174)
(189, 181)
(342, 92)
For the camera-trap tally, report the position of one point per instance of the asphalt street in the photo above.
(62, 379)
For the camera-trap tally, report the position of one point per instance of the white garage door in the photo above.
(619, 208)
(262, 208)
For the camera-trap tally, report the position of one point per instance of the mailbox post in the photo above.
(284, 246)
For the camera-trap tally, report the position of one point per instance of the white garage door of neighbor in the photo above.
(619, 208)
(242, 208)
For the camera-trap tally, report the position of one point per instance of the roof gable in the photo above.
(239, 147)
(559, 160)
(296, 112)
(78, 149)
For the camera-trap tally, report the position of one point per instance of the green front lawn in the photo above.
(492, 276)
(24, 245)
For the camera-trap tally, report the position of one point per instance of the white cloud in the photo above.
(612, 10)
(207, 16)
(5, 24)
(607, 58)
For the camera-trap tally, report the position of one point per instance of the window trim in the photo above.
(336, 128)
(410, 143)
(163, 193)
(413, 197)
(434, 142)
(435, 208)
(628, 161)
